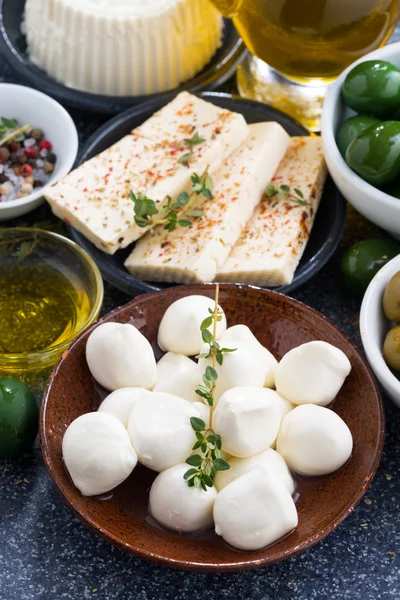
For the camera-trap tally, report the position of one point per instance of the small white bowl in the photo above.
(374, 327)
(29, 106)
(375, 205)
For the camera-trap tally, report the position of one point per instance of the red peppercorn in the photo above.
(14, 146)
(29, 152)
(45, 145)
(1, 161)
(26, 170)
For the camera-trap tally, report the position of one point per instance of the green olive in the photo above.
(18, 418)
(360, 264)
(391, 348)
(375, 154)
(373, 87)
(391, 299)
(351, 129)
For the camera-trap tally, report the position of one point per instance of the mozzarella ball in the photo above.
(269, 460)
(120, 402)
(254, 511)
(160, 430)
(240, 368)
(180, 326)
(314, 440)
(241, 333)
(312, 373)
(118, 356)
(204, 412)
(177, 506)
(97, 453)
(247, 419)
(178, 375)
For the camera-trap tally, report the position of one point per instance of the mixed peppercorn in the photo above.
(26, 160)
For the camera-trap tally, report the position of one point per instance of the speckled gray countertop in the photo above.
(47, 554)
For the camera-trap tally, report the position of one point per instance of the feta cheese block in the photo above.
(95, 197)
(122, 47)
(273, 241)
(195, 253)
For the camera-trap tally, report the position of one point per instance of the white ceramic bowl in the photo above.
(374, 327)
(378, 207)
(29, 106)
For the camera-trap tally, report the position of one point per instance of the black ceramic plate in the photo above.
(326, 232)
(13, 48)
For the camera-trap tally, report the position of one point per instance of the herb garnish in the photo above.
(173, 211)
(285, 193)
(190, 142)
(205, 465)
(18, 247)
(10, 129)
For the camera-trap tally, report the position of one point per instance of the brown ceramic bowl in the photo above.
(280, 323)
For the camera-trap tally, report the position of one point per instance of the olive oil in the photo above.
(40, 307)
(311, 39)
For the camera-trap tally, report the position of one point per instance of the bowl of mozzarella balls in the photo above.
(212, 427)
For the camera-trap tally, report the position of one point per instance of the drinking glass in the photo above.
(299, 46)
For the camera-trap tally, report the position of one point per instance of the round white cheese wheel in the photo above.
(160, 430)
(179, 329)
(240, 368)
(120, 402)
(97, 453)
(247, 419)
(122, 47)
(177, 506)
(269, 460)
(241, 333)
(312, 373)
(314, 440)
(119, 356)
(254, 511)
(178, 375)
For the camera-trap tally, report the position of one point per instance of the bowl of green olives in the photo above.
(361, 136)
(380, 327)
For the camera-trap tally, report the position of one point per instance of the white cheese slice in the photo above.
(194, 254)
(94, 198)
(273, 241)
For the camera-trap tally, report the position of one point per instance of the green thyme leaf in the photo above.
(221, 465)
(190, 473)
(197, 424)
(194, 460)
(194, 140)
(9, 123)
(206, 323)
(196, 213)
(298, 192)
(284, 188)
(184, 159)
(184, 223)
(211, 374)
(207, 336)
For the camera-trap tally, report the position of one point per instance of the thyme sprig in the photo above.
(206, 465)
(284, 192)
(18, 247)
(175, 212)
(190, 143)
(10, 130)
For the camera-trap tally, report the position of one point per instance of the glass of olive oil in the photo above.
(50, 290)
(299, 46)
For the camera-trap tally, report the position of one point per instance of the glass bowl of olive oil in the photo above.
(50, 290)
